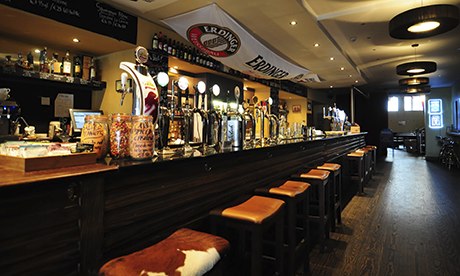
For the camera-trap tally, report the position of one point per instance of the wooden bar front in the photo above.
(74, 223)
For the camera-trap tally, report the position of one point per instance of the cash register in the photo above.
(77, 117)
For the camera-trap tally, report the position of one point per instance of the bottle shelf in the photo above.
(16, 72)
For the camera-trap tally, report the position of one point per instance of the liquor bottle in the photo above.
(55, 64)
(92, 70)
(77, 67)
(44, 65)
(160, 41)
(67, 64)
(165, 44)
(173, 48)
(30, 61)
(169, 47)
(155, 41)
(181, 51)
(189, 54)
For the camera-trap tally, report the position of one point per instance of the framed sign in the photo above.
(435, 120)
(435, 106)
(296, 108)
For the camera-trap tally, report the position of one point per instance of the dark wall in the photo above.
(370, 113)
(28, 92)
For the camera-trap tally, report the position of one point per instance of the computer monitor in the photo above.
(77, 117)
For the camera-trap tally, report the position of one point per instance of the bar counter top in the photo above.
(13, 177)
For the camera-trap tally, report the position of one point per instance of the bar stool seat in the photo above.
(319, 199)
(295, 195)
(256, 215)
(373, 150)
(185, 252)
(336, 192)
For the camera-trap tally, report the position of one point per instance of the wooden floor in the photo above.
(408, 223)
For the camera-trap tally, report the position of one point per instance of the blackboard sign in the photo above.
(88, 14)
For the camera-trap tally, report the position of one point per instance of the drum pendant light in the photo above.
(424, 22)
(416, 67)
(414, 81)
(417, 89)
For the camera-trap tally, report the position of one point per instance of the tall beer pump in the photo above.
(236, 123)
(145, 94)
(182, 84)
(273, 123)
(164, 117)
(260, 110)
(215, 122)
(200, 90)
(250, 121)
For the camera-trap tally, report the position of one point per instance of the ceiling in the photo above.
(353, 32)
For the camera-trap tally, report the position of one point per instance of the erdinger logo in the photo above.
(214, 40)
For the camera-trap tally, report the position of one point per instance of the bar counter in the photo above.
(70, 221)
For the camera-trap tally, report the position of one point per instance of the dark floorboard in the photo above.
(407, 223)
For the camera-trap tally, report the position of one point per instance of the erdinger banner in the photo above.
(214, 32)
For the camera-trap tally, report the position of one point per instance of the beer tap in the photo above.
(273, 123)
(164, 115)
(260, 109)
(249, 117)
(215, 119)
(145, 93)
(200, 89)
(236, 123)
(182, 84)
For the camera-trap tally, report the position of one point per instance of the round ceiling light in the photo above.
(416, 68)
(414, 81)
(417, 89)
(424, 22)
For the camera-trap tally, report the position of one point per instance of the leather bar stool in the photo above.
(257, 215)
(319, 200)
(336, 192)
(185, 252)
(356, 168)
(295, 195)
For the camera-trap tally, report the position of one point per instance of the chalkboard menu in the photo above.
(88, 14)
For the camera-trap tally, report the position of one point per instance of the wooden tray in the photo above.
(47, 162)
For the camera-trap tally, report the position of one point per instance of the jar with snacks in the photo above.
(141, 140)
(95, 131)
(120, 127)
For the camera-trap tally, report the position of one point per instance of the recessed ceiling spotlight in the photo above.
(331, 86)
(317, 45)
(351, 76)
(76, 40)
(356, 81)
(331, 58)
(342, 68)
(293, 22)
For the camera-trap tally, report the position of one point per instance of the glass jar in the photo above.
(141, 139)
(120, 128)
(95, 131)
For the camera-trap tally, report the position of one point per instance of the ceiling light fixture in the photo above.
(331, 58)
(316, 44)
(76, 40)
(414, 81)
(424, 22)
(418, 89)
(416, 67)
(342, 68)
(293, 22)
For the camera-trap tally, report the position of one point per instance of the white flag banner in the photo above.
(215, 33)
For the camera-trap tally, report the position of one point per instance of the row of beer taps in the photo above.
(222, 127)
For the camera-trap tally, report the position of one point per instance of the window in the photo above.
(393, 104)
(414, 103)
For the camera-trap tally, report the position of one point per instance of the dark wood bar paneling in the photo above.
(145, 203)
(70, 221)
